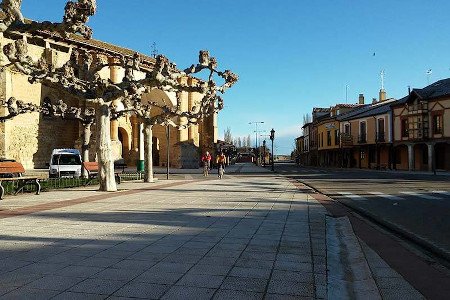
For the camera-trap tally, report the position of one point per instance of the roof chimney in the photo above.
(374, 100)
(409, 90)
(382, 95)
(361, 98)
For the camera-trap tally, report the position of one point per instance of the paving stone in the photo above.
(199, 280)
(117, 274)
(186, 293)
(78, 296)
(237, 295)
(244, 284)
(174, 257)
(35, 294)
(254, 263)
(142, 290)
(160, 278)
(250, 272)
(52, 282)
(78, 271)
(286, 297)
(42, 268)
(280, 275)
(291, 288)
(293, 266)
(216, 260)
(169, 267)
(134, 264)
(102, 262)
(97, 286)
(209, 270)
(17, 279)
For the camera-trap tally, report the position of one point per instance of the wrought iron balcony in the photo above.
(346, 139)
(362, 139)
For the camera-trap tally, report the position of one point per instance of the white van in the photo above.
(65, 163)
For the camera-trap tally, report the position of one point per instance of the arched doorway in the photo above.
(156, 152)
(159, 132)
(124, 139)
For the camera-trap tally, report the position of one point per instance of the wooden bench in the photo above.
(13, 171)
(92, 169)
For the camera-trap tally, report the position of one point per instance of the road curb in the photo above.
(429, 246)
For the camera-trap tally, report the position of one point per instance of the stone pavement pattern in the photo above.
(242, 237)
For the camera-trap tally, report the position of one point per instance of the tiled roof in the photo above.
(353, 112)
(348, 105)
(368, 110)
(435, 90)
(91, 43)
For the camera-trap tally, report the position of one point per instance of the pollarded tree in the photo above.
(80, 77)
(167, 78)
(84, 115)
(17, 107)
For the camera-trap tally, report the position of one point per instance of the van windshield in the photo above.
(66, 159)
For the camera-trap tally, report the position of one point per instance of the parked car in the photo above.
(65, 163)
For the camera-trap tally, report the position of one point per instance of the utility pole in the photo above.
(256, 135)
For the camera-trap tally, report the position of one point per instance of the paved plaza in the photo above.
(252, 235)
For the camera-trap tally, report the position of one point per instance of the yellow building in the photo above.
(30, 138)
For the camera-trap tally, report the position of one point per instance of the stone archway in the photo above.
(160, 144)
(400, 158)
(124, 139)
(420, 157)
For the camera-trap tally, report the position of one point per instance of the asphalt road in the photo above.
(416, 204)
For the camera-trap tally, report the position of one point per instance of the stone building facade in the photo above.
(30, 138)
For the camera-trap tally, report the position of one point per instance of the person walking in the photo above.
(206, 159)
(221, 160)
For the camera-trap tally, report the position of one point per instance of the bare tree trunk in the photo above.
(148, 153)
(85, 145)
(105, 163)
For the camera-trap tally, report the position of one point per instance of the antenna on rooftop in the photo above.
(154, 50)
(429, 72)
(382, 75)
(346, 93)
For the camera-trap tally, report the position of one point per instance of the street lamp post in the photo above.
(264, 153)
(256, 135)
(168, 150)
(272, 137)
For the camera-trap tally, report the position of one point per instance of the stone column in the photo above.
(430, 157)
(116, 75)
(135, 133)
(410, 157)
(140, 166)
(183, 102)
(114, 130)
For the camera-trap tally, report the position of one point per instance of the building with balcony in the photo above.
(422, 128)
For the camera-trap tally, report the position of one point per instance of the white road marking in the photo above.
(387, 196)
(420, 195)
(352, 196)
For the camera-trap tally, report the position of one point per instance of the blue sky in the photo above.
(291, 55)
